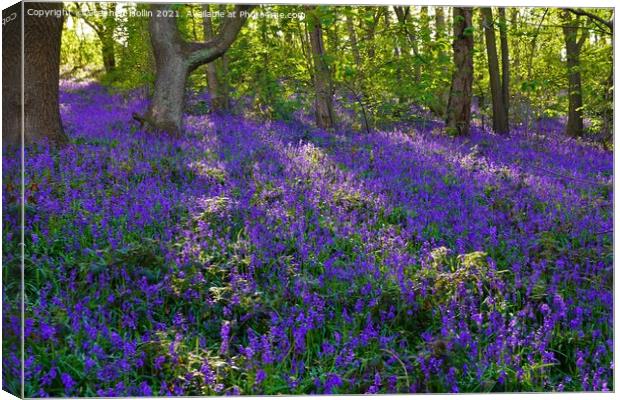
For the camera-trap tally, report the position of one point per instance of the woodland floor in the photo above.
(269, 257)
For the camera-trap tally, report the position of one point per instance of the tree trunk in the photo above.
(166, 110)
(517, 101)
(41, 76)
(503, 38)
(103, 28)
(353, 39)
(11, 76)
(516, 56)
(440, 23)
(107, 53)
(608, 114)
(333, 37)
(500, 119)
(370, 30)
(459, 102)
(175, 59)
(530, 59)
(479, 77)
(441, 94)
(224, 84)
(223, 76)
(402, 13)
(212, 81)
(574, 126)
(324, 109)
(399, 71)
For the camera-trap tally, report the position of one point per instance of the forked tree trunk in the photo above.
(500, 118)
(459, 102)
(574, 125)
(324, 109)
(175, 59)
(41, 76)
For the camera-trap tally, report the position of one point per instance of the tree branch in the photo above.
(402, 14)
(582, 38)
(578, 11)
(203, 53)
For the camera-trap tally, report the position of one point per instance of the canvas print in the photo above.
(207, 199)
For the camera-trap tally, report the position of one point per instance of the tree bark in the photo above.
(107, 53)
(500, 119)
(574, 125)
(224, 84)
(441, 94)
(175, 58)
(530, 59)
(607, 131)
(440, 23)
(459, 102)
(324, 109)
(223, 80)
(166, 109)
(353, 39)
(479, 77)
(41, 72)
(503, 38)
(516, 56)
(107, 37)
(371, 27)
(11, 76)
(212, 79)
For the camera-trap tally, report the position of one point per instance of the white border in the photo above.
(500, 3)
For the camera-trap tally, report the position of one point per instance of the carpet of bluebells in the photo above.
(255, 257)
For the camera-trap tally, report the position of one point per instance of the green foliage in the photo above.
(80, 53)
(135, 65)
